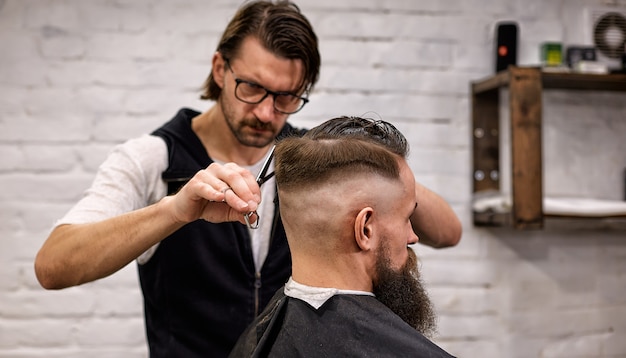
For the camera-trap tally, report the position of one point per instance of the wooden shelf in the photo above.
(526, 85)
(555, 80)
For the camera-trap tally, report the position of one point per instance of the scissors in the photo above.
(261, 178)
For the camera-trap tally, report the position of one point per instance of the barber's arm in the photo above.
(434, 221)
(75, 254)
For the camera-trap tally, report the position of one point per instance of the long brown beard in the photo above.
(402, 291)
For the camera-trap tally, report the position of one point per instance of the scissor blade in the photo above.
(261, 178)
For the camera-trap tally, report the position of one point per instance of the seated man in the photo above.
(346, 199)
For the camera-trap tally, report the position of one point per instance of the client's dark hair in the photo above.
(374, 130)
(303, 162)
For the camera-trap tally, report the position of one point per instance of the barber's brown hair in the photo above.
(303, 162)
(281, 28)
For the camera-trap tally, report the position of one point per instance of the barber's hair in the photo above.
(281, 28)
(305, 162)
(375, 130)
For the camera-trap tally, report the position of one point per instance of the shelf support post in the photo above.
(525, 87)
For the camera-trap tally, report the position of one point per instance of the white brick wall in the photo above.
(76, 77)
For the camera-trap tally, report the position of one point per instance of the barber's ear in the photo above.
(218, 66)
(364, 229)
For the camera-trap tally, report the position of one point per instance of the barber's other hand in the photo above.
(216, 194)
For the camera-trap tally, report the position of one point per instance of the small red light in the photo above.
(502, 50)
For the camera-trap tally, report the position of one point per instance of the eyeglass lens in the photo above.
(252, 93)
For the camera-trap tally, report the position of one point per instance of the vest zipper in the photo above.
(257, 287)
(185, 179)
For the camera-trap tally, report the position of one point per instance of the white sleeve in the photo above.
(129, 179)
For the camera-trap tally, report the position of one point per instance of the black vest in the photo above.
(200, 288)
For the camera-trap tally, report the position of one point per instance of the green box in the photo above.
(551, 54)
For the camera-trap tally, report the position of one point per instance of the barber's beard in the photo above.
(237, 129)
(402, 291)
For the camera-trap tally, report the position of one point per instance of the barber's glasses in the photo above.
(260, 179)
(253, 93)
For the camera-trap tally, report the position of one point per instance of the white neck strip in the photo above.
(316, 296)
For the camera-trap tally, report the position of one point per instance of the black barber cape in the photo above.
(344, 326)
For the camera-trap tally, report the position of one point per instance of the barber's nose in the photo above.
(413, 239)
(264, 110)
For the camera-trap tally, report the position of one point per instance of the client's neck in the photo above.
(330, 272)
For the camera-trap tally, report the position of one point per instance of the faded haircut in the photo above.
(379, 131)
(281, 28)
(304, 162)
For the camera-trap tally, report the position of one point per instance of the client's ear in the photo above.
(364, 229)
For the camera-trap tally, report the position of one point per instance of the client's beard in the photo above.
(403, 293)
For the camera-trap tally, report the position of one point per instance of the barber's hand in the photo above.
(217, 194)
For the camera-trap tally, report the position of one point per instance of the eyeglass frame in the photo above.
(274, 94)
(261, 178)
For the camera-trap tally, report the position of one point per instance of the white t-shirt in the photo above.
(130, 179)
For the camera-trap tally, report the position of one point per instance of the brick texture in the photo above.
(77, 77)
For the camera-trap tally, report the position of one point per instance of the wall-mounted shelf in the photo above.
(526, 206)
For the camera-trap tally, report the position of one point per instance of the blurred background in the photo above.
(78, 77)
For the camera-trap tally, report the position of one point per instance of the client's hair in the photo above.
(302, 162)
(374, 130)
